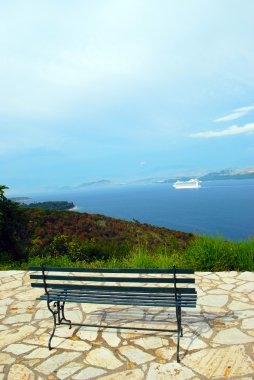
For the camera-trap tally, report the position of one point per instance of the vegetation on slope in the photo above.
(30, 236)
(45, 226)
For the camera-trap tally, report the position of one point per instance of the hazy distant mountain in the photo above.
(229, 174)
(102, 182)
(223, 174)
(148, 180)
(169, 180)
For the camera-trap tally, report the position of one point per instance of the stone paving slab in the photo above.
(218, 341)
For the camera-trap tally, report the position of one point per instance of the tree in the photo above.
(13, 228)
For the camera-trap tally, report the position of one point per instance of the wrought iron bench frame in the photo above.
(57, 294)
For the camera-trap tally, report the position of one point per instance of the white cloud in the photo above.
(245, 109)
(232, 116)
(233, 130)
(236, 114)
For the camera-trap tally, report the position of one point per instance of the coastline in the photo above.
(73, 208)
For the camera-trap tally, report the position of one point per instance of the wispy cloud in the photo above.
(245, 109)
(236, 114)
(233, 130)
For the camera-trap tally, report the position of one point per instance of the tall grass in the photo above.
(245, 255)
(205, 253)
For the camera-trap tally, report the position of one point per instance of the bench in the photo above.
(116, 287)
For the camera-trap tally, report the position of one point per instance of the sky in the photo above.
(124, 90)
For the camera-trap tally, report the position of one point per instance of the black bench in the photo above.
(78, 285)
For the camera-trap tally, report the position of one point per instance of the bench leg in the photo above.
(54, 313)
(63, 315)
(179, 331)
(180, 320)
(178, 347)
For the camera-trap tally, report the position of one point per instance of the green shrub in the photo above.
(59, 246)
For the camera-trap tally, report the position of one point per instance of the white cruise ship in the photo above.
(191, 184)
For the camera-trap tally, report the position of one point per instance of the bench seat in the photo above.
(146, 297)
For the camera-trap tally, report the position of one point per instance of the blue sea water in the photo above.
(218, 207)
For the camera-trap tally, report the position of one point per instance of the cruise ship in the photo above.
(191, 184)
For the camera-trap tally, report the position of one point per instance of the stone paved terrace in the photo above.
(218, 337)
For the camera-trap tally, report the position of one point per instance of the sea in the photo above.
(219, 208)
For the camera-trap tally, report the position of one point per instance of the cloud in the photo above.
(245, 109)
(232, 116)
(233, 130)
(236, 114)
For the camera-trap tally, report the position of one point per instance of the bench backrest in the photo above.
(93, 278)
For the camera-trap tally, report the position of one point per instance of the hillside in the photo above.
(46, 225)
(61, 238)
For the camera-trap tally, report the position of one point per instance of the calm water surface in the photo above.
(218, 207)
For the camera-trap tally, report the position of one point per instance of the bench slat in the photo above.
(120, 294)
(115, 270)
(115, 279)
(118, 288)
(117, 297)
(127, 301)
(135, 296)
